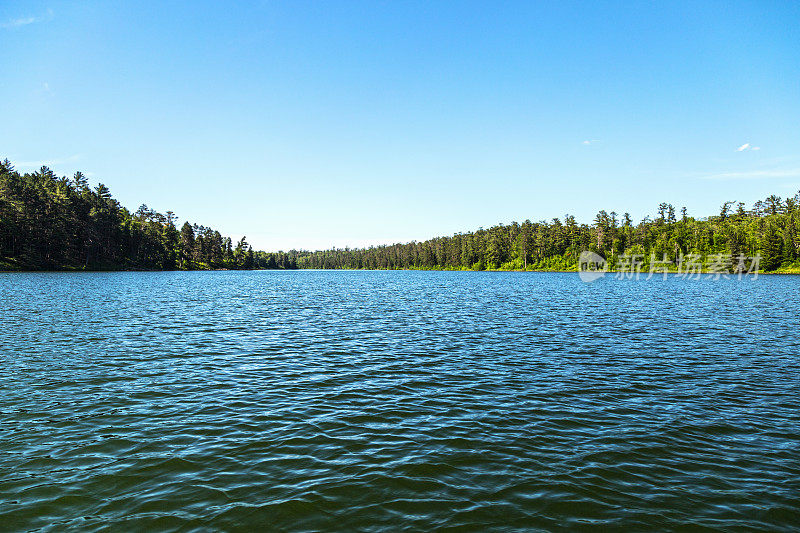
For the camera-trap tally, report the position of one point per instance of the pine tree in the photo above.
(772, 248)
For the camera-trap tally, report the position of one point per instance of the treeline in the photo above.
(770, 228)
(49, 222)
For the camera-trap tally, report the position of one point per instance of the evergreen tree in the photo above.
(772, 248)
(52, 222)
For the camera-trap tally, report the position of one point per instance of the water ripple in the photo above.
(397, 400)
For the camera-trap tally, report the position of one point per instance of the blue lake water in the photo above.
(397, 400)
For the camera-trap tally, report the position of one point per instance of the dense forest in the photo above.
(770, 229)
(58, 223)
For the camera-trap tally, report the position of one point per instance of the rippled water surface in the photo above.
(389, 400)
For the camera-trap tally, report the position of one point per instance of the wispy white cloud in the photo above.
(15, 23)
(24, 21)
(747, 146)
(592, 141)
(47, 162)
(755, 174)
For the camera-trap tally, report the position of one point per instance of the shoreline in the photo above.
(789, 272)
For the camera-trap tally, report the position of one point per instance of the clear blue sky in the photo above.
(315, 124)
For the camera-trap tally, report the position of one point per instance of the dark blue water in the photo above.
(397, 400)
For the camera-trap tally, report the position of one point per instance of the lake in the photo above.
(312, 400)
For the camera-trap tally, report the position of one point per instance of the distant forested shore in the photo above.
(49, 222)
(770, 229)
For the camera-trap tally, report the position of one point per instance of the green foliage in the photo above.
(771, 228)
(51, 222)
(55, 223)
(772, 248)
